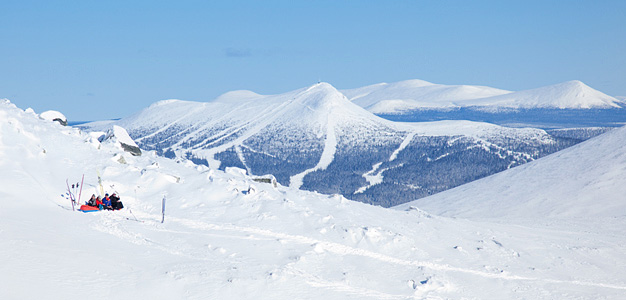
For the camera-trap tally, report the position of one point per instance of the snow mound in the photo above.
(119, 136)
(53, 115)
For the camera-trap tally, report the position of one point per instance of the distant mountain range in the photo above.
(409, 95)
(569, 104)
(316, 139)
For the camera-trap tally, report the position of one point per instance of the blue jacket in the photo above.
(106, 201)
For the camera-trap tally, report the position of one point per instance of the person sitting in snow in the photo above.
(115, 202)
(106, 202)
(99, 202)
(92, 201)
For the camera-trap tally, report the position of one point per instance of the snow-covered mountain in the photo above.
(410, 95)
(584, 181)
(571, 94)
(228, 237)
(316, 139)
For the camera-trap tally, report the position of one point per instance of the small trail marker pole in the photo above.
(163, 210)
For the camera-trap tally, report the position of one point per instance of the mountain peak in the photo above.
(322, 96)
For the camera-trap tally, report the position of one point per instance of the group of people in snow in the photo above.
(108, 202)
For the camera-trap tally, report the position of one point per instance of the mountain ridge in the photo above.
(404, 96)
(317, 139)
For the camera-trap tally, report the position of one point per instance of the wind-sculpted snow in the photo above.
(318, 140)
(226, 236)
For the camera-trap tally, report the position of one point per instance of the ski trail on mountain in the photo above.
(328, 155)
(373, 177)
(404, 144)
(242, 158)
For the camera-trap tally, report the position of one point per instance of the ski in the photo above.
(70, 193)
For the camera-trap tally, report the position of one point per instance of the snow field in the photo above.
(227, 237)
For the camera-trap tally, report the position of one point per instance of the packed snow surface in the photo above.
(225, 236)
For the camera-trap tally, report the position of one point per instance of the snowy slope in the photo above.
(411, 94)
(306, 114)
(309, 138)
(227, 237)
(584, 181)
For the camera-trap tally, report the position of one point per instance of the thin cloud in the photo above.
(238, 52)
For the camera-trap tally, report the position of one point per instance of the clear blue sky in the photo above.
(107, 59)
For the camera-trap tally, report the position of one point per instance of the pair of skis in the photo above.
(73, 191)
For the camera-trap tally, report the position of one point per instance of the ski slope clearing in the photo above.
(584, 181)
(228, 237)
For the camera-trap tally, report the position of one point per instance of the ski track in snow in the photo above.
(328, 155)
(341, 286)
(325, 246)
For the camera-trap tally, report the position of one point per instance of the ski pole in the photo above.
(81, 188)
